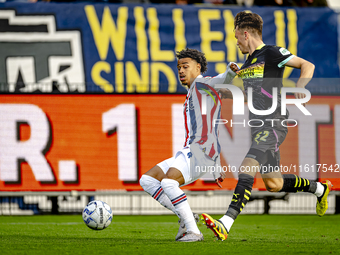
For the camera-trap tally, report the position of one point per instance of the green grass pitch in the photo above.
(251, 234)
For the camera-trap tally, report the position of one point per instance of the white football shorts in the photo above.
(191, 164)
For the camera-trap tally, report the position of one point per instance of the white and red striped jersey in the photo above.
(199, 127)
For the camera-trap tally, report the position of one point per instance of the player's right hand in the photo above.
(300, 95)
(234, 67)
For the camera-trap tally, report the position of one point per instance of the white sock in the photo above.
(153, 187)
(227, 222)
(179, 201)
(319, 189)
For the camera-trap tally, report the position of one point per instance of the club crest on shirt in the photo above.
(254, 60)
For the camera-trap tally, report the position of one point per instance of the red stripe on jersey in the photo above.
(214, 91)
(212, 112)
(212, 151)
(204, 136)
(185, 121)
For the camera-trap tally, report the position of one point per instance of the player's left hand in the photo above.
(220, 179)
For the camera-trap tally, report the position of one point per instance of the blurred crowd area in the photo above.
(247, 3)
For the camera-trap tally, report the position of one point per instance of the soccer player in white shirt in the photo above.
(201, 147)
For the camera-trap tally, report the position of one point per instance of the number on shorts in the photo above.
(261, 136)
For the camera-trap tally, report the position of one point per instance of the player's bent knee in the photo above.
(273, 185)
(272, 188)
(146, 181)
(169, 184)
(143, 182)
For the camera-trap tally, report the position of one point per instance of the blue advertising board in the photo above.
(117, 48)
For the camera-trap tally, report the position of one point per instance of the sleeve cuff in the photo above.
(281, 64)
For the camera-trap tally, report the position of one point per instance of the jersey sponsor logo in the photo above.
(253, 71)
(38, 56)
(284, 51)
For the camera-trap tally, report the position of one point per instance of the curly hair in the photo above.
(249, 20)
(195, 55)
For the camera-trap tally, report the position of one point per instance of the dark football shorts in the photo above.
(265, 149)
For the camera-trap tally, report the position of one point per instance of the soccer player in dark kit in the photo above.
(262, 72)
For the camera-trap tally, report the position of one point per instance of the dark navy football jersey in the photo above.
(262, 71)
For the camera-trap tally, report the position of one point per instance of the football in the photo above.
(97, 215)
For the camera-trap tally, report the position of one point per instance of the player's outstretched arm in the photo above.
(224, 78)
(307, 71)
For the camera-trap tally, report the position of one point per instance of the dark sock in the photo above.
(241, 195)
(294, 183)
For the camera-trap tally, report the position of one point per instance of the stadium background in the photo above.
(90, 101)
